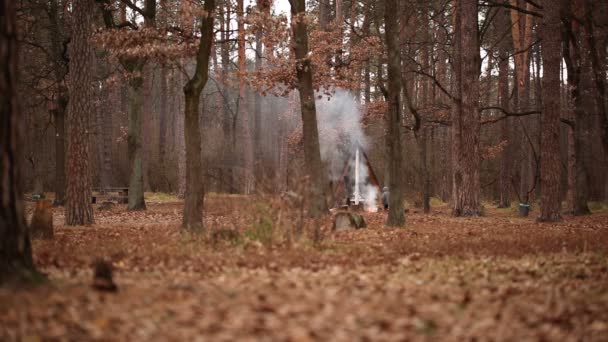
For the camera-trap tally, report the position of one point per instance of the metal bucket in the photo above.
(524, 209)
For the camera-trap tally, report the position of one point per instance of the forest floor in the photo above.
(498, 277)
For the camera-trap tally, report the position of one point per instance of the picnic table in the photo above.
(118, 194)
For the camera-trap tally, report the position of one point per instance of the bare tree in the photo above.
(193, 210)
(317, 206)
(550, 30)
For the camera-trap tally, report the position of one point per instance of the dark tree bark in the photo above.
(59, 120)
(78, 209)
(60, 68)
(578, 141)
(503, 91)
(465, 113)
(317, 206)
(396, 215)
(134, 138)
(599, 72)
(550, 166)
(15, 248)
(193, 210)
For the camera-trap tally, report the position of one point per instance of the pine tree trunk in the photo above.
(134, 139)
(465, 115)
(15, 249)
(60, 69)
(505, 125)
(59, 118)
(162, 127)
(550, 30)
(227, 119)
(243, 107)
(317, 205)
(575, 60)
(78, 209)
(396, 215)
(193, 208)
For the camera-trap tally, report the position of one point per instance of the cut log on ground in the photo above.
(345, 220)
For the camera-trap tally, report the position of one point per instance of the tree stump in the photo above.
(346, 220)
(42, 222)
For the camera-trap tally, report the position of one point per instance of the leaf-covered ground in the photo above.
(499, 277)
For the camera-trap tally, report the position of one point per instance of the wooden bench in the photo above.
(122, 194)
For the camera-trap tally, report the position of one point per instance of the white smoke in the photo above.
(340, 130)
(340, 134)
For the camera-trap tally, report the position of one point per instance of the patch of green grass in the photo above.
(437, 202)
(160, 197)
(598, 207)
(262, 231)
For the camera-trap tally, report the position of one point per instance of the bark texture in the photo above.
(396, 216)
(134, 136)
(15, 248)
(505, 125)
(78, 209)
(317, 206)
(465, 113)
(550, 30)
(193, 209)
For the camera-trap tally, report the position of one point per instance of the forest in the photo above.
(304, 170)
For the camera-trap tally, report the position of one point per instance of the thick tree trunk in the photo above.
(317, 206)
(15, 249)
(78, 210)
(396, 215)
(465, 115)
(134, 141)
(599, 71)
(550, 30)
(193, 209)
(576, 60)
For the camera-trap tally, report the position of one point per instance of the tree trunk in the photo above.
(134, 141)
(59, 118)
(317, 206)
(193, 209)
(577, 136)
(243, 107)
(599, 72)
(78, 209)
(104, 118)
(521, 32)
(15, 248)
(503, 92)
(465, 115)
(163, 111)
(60, 68)
(550, 30)
(228, 117)
(396, 215)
